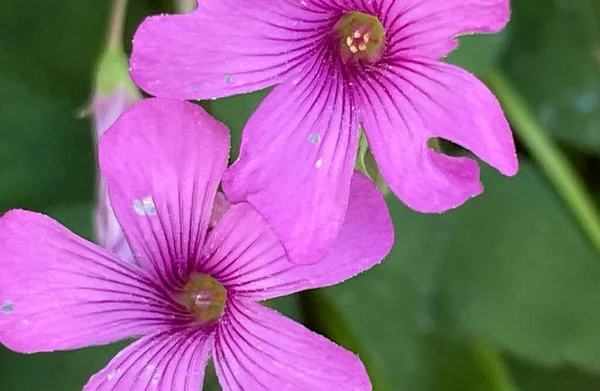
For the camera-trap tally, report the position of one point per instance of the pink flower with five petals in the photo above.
(201, 266)
(338, 65)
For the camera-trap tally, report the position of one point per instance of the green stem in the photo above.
(549, 157)
(116, 23)
(493, 366)
(185, 6)
(323, 317)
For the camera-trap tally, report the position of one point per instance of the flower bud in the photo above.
(114, 93)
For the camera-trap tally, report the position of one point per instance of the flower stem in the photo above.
(117, 21)
(553, 162)
(185, 6)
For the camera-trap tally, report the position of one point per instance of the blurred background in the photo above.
(502, 294)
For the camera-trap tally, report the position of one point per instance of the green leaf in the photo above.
(46, 153)
(517, 272)
(52, 47)
(387, 308)
(478, 53)
(509, 268)
(58, 371)
(554, 59)
(530, 377)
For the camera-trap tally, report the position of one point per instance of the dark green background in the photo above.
(500, 294)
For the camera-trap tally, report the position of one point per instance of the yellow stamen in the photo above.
(353, 49)
(357, 34)
(349, 41)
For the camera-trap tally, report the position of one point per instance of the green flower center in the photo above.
(204, 297)
(362, 37)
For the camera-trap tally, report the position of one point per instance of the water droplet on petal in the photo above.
(228, 78)
(314, 138)
(138, 207)
(319, 163)
(149, 207)
(144, 207)
(7, 307)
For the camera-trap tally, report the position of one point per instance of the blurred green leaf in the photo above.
(46, 153)
(509, 268)
(518, 273)
(477, 53)
(530, 377)
(388, 307)
(554, 58)
(52, 46)
(64, 371)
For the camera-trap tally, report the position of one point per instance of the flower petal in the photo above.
(225, 47)
(58, 291)
(258, 349)
(417, 100)
(245, 255)
(296, 160)
(163, 161)
(429, 27)
(167, 361)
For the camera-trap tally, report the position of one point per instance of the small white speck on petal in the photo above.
(114, 373)
(319, 163)
(228, 78)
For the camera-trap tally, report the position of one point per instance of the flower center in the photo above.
(362, 37)
(204, 297)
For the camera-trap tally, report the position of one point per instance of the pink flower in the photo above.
(200, 270)
(338, 65)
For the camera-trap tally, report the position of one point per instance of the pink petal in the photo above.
(163, 161)
(58, 291)
(429, 27)
(245, 255)
(296, 160)
(242, 248)
(414, 101)
(258, 349)
(225, 47)
(168, 361)
(220, 208)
